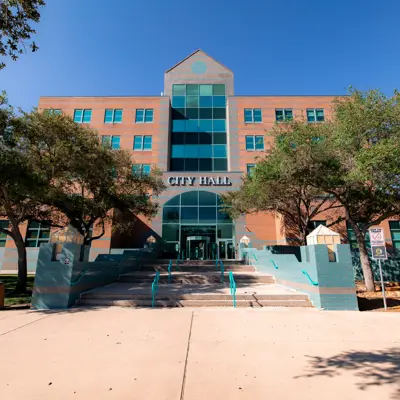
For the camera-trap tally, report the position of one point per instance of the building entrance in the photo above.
(196, 224)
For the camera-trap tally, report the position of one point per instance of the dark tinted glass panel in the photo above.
(206, 101)
(225, 231)
(179, 90)
(191, 164)
(178, 138)
(175, 201)
(170, 233)
(219, 138)
(171, 214)
(207, 199)
(191, 138)
(178, 113)
(177, 164)
(220, 164)
(218, 90)
(192, 90)
(192, 101)
(34, 224)
(192, 113)
(178, 101)
(207, 215)
(205, 164)
(223, 216)
(205, 138)
(190, 198)
(189, 215)
(206, 113)
(219, 101)
(219, 113)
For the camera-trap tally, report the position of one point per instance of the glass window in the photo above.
(179, 125)
(223, 217)
(78, 116)
(257, 115)
(206, 113)
(219, 113)
(138, 143)
(191, 164)
(250, 168)
(205, 164)
(225, 231)
(87, 116)
(177, 164)
(192, 101)
(190, 198)
(192, 90)
(315, 115)
(117, 116)
(170, 232)
(146, 169)
(395, 233)
(141, 169)
(220, 164)
(205, 138)
(250, 143)
(115, 142)
(206, 90)
(192, 113)
(205, 151)
(283, 114)
(191, 151)
(189, 215)
(139, 116)
(52, 111)
(259, 142)
(178, 138)
(207, 215)
(219, 125)
(248, 115)
(219, 138)
(108, 116)
(206, 101)
(149, 115)
(106, 141)
(252, 115)
(191, 138)
(219, 90)
(178, 151)
(171, 214)
(219, 151)
(36, 234)
(147, 142)
(207, 199)
(192, 125)
(205, 125)
(219, 101)
(3, 236)
(179, 90)
(178, 113)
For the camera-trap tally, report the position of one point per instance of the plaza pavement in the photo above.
(199, 354)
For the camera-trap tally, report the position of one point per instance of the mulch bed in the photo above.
(374, 301)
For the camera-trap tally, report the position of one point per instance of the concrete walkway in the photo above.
(145, 354)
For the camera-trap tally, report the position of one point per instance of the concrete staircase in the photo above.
(195, 284)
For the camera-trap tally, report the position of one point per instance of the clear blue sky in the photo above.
(123, 47)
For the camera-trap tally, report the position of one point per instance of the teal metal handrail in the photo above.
(232, 285)
(314, 283)
(216, 263)
(222, 268)
(154, 288)
(273, 263)
(80, 276)
(169, 271)
(255, 257)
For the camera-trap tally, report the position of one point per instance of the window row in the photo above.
(141, 169)
(198, 138)
(198, 90)
(199, 164)
(199, 151)
(140, 143)
(254, 143)
(111, 116)
(196, 125)
(199, 113)
(198, 101)
(194, 215)
(254, 115)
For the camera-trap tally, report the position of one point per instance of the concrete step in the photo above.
(196, 278)
(193, 303)
(190, 262)
(196, 268)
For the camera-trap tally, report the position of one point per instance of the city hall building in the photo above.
(205, 139)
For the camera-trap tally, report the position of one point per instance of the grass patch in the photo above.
(12, 299)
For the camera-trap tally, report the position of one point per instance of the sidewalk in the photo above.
(197, 354)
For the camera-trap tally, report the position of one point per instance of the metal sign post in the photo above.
(378, 247)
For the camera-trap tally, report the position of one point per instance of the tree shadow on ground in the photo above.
(375, 368)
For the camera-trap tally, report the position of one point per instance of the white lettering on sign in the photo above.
(203, 180)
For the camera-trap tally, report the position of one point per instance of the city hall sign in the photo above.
(203, 180)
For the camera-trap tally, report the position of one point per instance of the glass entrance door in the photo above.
(226, 250)
(197, 248)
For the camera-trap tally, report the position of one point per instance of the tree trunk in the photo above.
(22, 264)
(365, 261)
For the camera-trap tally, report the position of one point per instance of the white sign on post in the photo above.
(378, 249)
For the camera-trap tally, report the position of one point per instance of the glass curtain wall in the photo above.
(198, 132)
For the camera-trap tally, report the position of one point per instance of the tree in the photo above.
(279, 183)
(360, 163)
(16, 18)
(61, 169)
